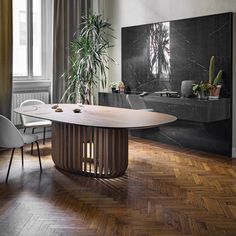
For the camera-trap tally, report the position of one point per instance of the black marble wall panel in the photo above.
(207, 135)
(190, 109)
(161, 55)
(210, 137)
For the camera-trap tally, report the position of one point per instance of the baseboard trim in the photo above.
(233, 152)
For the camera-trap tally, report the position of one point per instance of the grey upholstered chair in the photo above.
(11, 138)
(30, 122)
(136, 102)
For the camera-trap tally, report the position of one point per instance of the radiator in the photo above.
(18, 98)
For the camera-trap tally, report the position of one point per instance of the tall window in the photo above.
(27, 39)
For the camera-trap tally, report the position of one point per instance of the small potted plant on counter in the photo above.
(214, 82)
(201, 90)
(211, 89)
(113, 87)
(121, 87)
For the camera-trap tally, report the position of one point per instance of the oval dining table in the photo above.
(93, 142)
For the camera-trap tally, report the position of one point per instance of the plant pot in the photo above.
(113, 90)
(215, 92)
(203, 95)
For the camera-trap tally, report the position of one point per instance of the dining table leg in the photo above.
(92, 151)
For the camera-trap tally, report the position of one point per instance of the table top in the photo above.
(98, 116)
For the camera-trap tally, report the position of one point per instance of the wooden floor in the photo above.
(166, 191)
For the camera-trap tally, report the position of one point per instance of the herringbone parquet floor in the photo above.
(166, 191)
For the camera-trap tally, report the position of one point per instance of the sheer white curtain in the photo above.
(66, 21)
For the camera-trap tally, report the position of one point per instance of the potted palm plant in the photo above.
(88, 60)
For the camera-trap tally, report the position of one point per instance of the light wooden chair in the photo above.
(11, 138)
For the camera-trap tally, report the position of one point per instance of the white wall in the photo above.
(123, 13)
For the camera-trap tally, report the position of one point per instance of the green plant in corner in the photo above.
(88, 60)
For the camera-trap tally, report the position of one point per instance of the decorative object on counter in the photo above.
(81, 107)
(201, 90)
(121, 87)
(113, 87)
(166, 92)
(58, 109)
(143, 94)
(214, 81)
(186, 88)
(76, 110)
(88, 60)
(55, 106)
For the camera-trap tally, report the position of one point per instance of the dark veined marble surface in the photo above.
(161, 55)
(199, 126)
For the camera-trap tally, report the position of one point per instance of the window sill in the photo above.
(31, 85)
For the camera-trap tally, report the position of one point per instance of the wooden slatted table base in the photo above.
(93, 151)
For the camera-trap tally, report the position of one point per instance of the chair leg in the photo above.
(32, 147)
(44, 131)
(32, 144)
(22, 156)
(24, 130)
(39, 156)
(9, 167)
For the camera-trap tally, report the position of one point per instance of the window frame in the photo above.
(45, 58)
